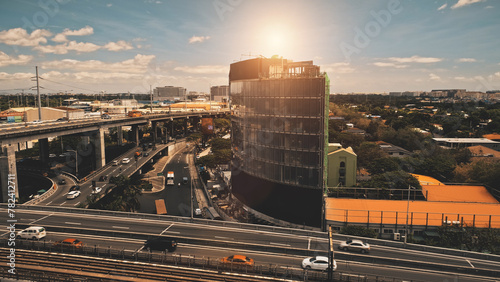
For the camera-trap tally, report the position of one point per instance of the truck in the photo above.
(170, 178)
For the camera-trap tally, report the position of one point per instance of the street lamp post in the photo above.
(407, 211)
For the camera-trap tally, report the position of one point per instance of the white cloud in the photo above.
(342, 67)
(463, 3)
(443, 7)
(389, 65)
(467, 60)
(6, 60)
(434, 77)
(109, 5)
(489, 7)
(61, 37)
(204, 69)
(15, 76)
(79, 47)
(199, 39)
(19, 36)
(415, 59)
(136, 65)
(118, 46)
(466, 79)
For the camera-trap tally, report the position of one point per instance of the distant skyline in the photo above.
(119, 46)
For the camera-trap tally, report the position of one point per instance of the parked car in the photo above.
(33, 232)
(355, 245)
(238, 260)
(318, 263)
(73, 195)
(161, 244)
(96, 190)
(69, 243)
(125, 160)
(74, 188)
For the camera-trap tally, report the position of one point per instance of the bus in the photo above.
(170, 178)
(160, 206)
(135, 113)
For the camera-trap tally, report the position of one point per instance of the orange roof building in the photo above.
(451, 204)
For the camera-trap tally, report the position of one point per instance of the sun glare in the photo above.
(276, 40)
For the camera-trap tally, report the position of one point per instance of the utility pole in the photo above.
(150, 98)
(39, 98)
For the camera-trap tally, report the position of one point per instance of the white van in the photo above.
(34, 232)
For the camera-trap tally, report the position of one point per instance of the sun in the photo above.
(276, 39)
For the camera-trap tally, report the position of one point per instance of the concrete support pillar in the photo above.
(135, 134)
(8, 172)
(119, 135)
(186, 124)
(44, 151)
(100, 152)
(154, 125)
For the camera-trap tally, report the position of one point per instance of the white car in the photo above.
(125, 160)
(72, 194)
(355, 245)
(96, 190)
(317, 263)
(35, 122)
(33, 232)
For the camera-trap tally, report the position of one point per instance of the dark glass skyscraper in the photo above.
(279, 136)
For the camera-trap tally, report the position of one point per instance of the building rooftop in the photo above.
(482, 151)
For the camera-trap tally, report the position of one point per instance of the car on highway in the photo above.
(105, 116)
(69, 243)
(355, 245)
(238, 260)
(62, 119)
(73, 195)
(52, 155)
(96, 190)
(33, 232)
(317, 263)
(62, 182)
(114, 162)
(161, 244)
(145, 154)
(125, 160)
(103, 178)
(35, 122)
(74, 188)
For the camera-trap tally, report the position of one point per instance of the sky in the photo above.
(120, 46)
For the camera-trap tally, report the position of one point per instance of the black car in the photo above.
(145, 154)
(62, 181)
(74, 188)
(103, 178)
(161, 244)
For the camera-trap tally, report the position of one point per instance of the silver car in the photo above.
(355, 245)
(318, 263)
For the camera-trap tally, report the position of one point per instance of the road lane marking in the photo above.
(63, 203)
(48, 203)
(166, 229)
(470, 263)
(73, 223)
(279, 244)
(76, 204)
(121, 227)
(41, 218)
(309, 244)
(225, 238)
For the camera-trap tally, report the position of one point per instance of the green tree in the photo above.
(368, 152)
(382, 165)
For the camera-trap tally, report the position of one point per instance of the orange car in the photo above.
(69, 242)
(238, 260)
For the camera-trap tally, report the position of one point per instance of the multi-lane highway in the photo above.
(265, 246)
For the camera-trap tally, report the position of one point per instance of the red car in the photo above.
(69, 242)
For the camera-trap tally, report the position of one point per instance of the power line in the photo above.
(68, 85)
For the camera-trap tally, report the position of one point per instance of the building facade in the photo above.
(170, 93)
(342, 166)
(219, 93)
(279, 136)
